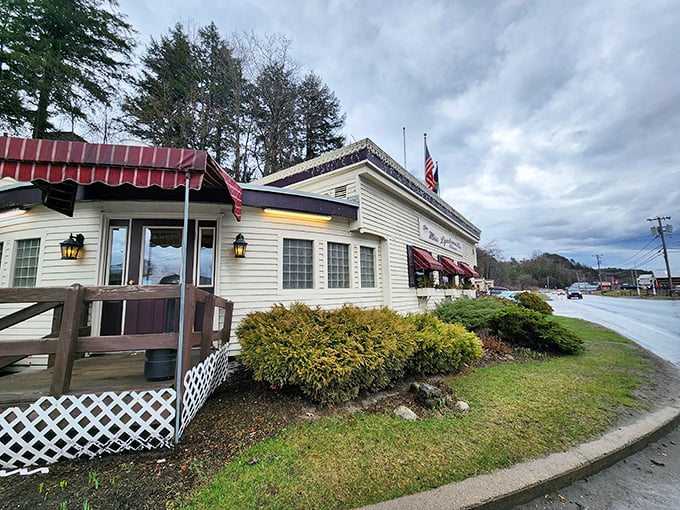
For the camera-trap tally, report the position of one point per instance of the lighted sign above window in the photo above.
(437, 236)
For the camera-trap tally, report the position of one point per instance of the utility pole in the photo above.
(660, 231)
(599, 273)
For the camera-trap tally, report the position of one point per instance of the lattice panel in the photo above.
(201, 381)
(71, 426)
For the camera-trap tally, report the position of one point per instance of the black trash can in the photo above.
(159, 364)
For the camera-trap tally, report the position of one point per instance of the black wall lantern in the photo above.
(240, 247)
(71, 246)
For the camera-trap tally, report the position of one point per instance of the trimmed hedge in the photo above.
(527, 328)
(534, 302)
(332, 355)
(441, 347)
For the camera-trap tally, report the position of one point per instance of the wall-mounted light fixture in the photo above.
(297, 215)
(71, 246)
(240, 246)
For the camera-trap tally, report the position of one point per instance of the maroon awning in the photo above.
(424, 261)
(450, 267)
(471, 273)
(55, 166)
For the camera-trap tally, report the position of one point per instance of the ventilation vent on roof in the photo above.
(340, 192)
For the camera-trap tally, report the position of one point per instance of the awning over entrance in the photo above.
(57, 166)
(423, 261)
(471, 273)
(450, 267)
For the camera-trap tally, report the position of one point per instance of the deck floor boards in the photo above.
(94, 374)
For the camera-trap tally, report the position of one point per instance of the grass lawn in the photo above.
(518, 411)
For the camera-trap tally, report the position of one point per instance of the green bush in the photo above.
(527, 328)
(332, 355)
(441, 347)
(534, 302)
(474, 314)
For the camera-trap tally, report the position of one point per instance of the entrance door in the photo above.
(154, 256)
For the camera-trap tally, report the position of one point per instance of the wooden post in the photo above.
(54, 332)
(226, 328)
(206, 332)
(68, 337)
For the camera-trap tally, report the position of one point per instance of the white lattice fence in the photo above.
(201, 381)
(73, 426)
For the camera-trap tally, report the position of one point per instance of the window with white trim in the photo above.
(298, 264)
(338, 266)
(367, 262)
(26, 265)
(206, 256)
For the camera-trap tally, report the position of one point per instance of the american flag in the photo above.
(429, 170)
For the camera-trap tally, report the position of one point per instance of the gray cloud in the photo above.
(555, 124)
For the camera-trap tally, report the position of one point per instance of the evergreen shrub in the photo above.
(526, 328)
(331, 355)
(534, 302)
(474, 314)
(441, 347)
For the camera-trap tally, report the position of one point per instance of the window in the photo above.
(117, 257)
(367, 262)
(26, 268)
(206, 256)
(338, 266)
(1, 247)
(162, 261)
(298, 264)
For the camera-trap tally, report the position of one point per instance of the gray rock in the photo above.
(462, 407)
(406, 413)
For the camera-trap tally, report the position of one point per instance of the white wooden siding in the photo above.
(327, 184)
(392, 213)
(51, 228)
(254, 283)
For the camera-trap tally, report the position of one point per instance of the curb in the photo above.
(523, 482)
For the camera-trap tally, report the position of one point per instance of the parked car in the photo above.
(574, 293)
(494, 291)
(627, 286)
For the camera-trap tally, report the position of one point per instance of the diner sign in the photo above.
(437, 236)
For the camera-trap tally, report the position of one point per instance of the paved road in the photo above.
(655, 325)
(649, 479)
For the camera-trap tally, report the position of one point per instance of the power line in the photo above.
(632, 258)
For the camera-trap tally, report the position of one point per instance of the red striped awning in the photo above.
(53, 162)
(424, 261)
(450, 267)
(471, 273)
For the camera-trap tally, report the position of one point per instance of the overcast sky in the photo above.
(556, 124)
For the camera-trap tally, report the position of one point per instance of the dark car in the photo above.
(627, 286)
(574, 293)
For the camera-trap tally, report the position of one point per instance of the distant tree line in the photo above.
(243, 100)
(541, 270)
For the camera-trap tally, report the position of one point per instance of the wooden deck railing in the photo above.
(70, 333)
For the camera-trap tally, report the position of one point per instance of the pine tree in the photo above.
(320, 118)
(161, 109)
(59, 57)
(275, 112)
